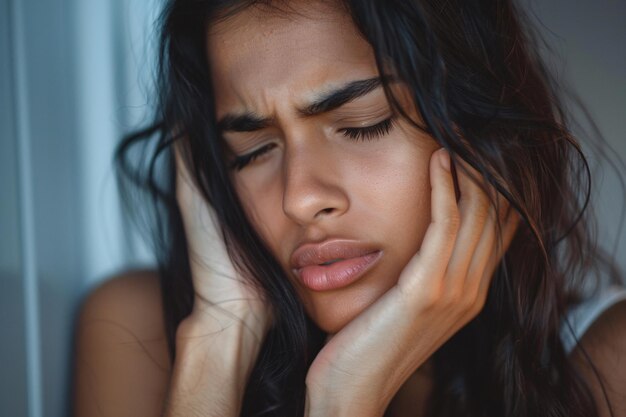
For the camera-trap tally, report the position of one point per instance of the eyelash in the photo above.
(353, 133)
(239, 162)
(368, 132)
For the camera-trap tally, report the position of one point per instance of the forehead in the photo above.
(260, 52)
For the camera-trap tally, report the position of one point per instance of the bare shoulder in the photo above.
(131, 300)
(605, 344)
(122, 364)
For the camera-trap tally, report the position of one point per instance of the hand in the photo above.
(218, 343)
(440, 290)
(222, 294)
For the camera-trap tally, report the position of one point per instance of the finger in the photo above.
(474, 208)
(487, 256)
(495, 221)
(207, 252)
(500, 245)
(434, 254)
(489, 252)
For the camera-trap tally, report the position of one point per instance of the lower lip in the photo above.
(337, 275)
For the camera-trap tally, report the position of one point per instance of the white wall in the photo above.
(71, 77)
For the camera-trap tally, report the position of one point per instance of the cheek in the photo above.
(263, 207)
(395, 190)
(397, 183)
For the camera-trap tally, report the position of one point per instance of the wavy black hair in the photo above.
(483, 93)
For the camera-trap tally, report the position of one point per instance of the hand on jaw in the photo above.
(441, 289)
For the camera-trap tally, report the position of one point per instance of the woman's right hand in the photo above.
(221, 291)
(218, 343)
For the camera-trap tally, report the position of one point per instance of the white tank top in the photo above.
(583, 315)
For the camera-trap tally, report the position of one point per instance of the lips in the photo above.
(328, 251)
(333, 264)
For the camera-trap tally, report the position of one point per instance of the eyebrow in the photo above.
(328, 101)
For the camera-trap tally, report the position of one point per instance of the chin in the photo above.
(334, 324)
(332, 312)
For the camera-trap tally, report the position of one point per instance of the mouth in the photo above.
(331, 262)
(336, 273)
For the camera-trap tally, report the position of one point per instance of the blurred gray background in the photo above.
(74, 75)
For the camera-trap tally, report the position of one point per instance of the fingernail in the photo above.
(444, 159)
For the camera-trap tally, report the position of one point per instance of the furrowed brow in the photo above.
(250, 122)
(244, 122)
(338, 97)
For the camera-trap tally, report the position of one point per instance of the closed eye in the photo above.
(239, 162)
(353, 133)
(368, 132)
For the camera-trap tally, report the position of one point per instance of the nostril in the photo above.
(327, 210)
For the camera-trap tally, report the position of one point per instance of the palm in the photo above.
(219, 287)
(344, 351)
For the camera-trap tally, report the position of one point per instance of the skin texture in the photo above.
(395, 193)
(315, 183)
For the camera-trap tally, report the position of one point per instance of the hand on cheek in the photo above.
(448, 280)
(440, 290)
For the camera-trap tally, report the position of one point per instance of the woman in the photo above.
(362, 208)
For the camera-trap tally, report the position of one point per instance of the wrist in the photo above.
(318, 404)
(230, 342)
(211, 368)
(252, 314)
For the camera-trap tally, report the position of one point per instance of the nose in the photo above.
(313, 188)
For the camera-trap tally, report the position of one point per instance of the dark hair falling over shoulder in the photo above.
(483, 93)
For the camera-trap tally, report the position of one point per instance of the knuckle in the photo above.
(454, 298)
(432, 298)
(477, 305)
(461, 303)
(466, 303)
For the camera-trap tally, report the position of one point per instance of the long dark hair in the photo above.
(484, 94)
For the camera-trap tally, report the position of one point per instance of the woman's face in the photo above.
(298, 90)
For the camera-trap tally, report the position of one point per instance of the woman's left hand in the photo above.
(440, 290)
